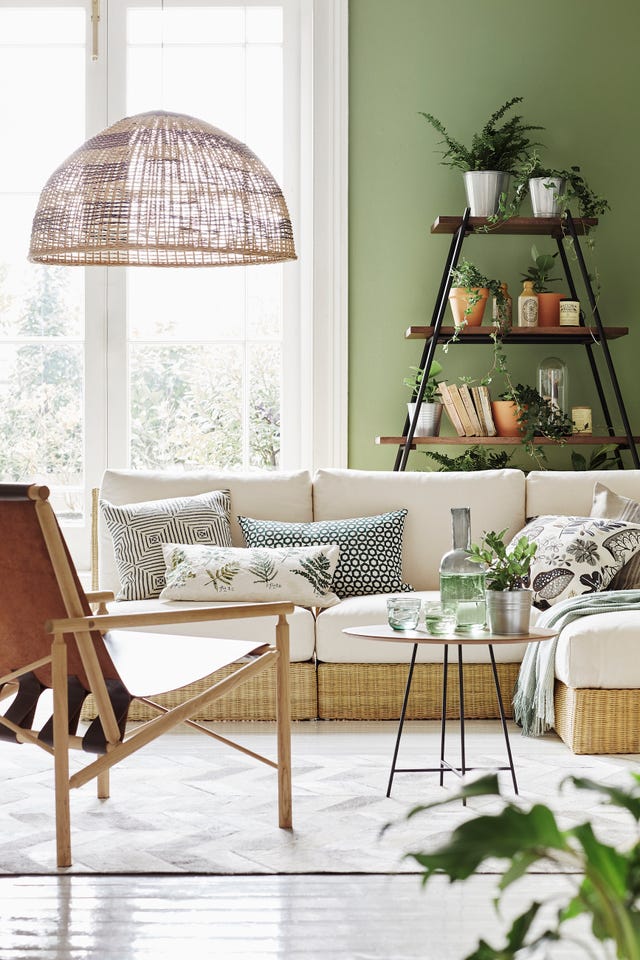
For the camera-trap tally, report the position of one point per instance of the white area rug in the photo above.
(188, 805)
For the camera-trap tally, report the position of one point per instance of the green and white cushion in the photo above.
(577, 555)
(370, 548)
(139, 530)
(301, 575)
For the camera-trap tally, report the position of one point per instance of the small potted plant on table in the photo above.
(508, 595)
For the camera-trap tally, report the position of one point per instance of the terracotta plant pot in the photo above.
(505, 417)
(459, 302)
(549, 309)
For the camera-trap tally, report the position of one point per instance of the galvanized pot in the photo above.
(545, 192)
(428, 424)
(484, 189)
(509, 611)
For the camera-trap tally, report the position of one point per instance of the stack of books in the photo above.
(469, 409)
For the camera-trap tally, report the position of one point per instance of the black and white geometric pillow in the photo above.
(577, 555)
(370, 548)
(139, 530)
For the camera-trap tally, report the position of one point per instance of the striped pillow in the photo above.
(139, 530)
(612, 506)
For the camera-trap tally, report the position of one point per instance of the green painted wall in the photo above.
(575, 63)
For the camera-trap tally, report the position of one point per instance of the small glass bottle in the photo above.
(553, 383)
(503, 315)
(528, 306)
(462, 582)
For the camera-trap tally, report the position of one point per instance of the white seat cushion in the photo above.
(334, 646)
(601, 651)
(260, 629)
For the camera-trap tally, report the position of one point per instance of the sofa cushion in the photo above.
(570, 492)
(600, 651)
(577, 555)
(334, 646)
(301, 575)
(301, 625)
(283, 496)
(370, 548)
(608, 504)
(139, 531)
(495, 498)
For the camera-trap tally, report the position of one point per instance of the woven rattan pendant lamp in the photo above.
(161, 189)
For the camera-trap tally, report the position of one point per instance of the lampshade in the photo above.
(161, 189)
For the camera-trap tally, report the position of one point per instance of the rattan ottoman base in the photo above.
(374, 691)
(255, 700)
(598, 721)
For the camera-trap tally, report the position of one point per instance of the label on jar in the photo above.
(581, 417)
(527, 311)
(569, 313)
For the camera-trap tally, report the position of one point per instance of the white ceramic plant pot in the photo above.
(509, 611)
(484, 189)
(428, 424)
(545, 193)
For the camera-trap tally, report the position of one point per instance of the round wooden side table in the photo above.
(418, 637)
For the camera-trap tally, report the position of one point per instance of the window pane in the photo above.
(264, 405)
(41, 422)
(205, 345)
(41, 308)
(186, 406)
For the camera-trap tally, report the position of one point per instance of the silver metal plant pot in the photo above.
(484, 189)
(545, 192)
(509, 611)
(428, 424)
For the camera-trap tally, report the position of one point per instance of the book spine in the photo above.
(452, 413)
(462, 411)
(467, 399)
(485, 400)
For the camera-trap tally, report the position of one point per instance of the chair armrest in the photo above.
(101, 598)
(197, 615)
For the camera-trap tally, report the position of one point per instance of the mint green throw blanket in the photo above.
(533, 698)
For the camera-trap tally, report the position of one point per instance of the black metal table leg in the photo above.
(443, 718)
(502, 717)
(407, 690)
(463, 762)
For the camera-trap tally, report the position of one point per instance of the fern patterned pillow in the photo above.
(138, 531)
(300, 574)
(577, 555)
(370, 548)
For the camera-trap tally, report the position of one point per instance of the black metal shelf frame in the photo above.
(429, 350)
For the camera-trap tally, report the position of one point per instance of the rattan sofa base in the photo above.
(255, 700)
(374, 691)
(598, 721)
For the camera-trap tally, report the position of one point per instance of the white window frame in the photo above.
(316, 407)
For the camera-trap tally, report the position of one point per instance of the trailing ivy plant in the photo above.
(538, 417)
(578, 192)
(605, 881)
(498, 146)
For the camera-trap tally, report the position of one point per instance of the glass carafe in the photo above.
(462, 582)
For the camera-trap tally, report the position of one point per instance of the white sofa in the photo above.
(337, 676)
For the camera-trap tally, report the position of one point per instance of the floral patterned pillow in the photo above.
(577, 555)
(302, 575)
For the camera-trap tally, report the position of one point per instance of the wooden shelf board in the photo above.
(520, 334)
(515, 226)
(581, 439)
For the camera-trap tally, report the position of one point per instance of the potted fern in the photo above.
(430, 415)
(508, 596)
(490, 160)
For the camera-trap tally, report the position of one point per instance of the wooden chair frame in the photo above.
(81, 626)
